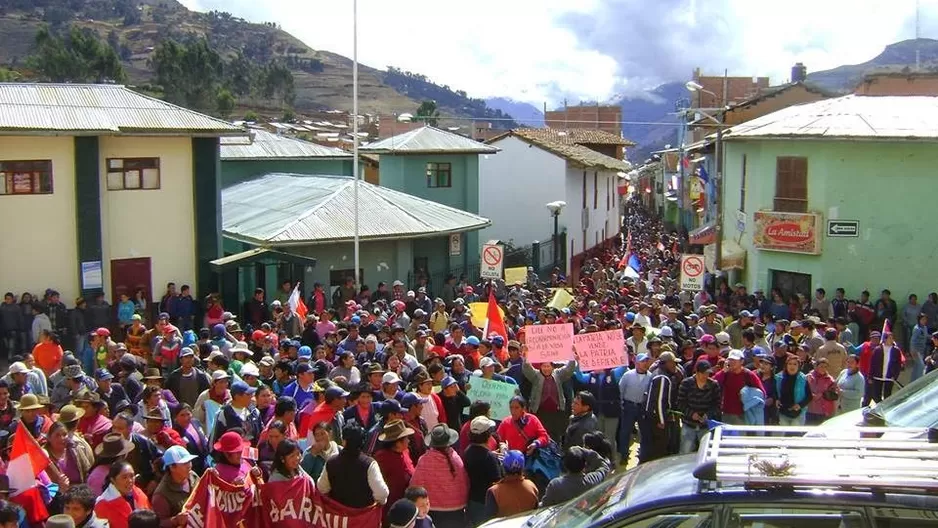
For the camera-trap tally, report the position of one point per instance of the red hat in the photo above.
(169, 329)
(257, 336)
(230, 442)
(469, 289)
(102, 332)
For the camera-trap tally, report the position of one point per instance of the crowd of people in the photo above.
(367, 396)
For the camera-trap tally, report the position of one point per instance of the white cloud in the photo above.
(537, 50)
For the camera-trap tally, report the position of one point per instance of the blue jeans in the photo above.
(918, 366)
(690, 438)
(633, 414)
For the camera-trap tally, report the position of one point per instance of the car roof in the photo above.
(670, 481)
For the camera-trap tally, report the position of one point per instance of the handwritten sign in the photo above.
(519, 274)
(496, 393)
(601, 350)
(552, 342)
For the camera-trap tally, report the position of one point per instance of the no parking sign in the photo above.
(692, 272)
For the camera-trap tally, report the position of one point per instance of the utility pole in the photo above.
(718, 245)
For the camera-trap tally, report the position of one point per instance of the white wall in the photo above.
(38, 247)
(603, 223)
(158, 223)
(514, 186)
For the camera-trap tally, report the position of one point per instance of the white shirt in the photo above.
(379, 488)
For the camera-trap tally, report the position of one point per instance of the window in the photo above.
(439, 175)
(905, 518)
(742, 188)
(595, 190)
(26, 177)
(608, 192)
(791, 185)
(131, 174)
(584, 189)
(781, 516)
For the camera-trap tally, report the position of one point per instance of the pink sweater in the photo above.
(446, 491)
(818, 385)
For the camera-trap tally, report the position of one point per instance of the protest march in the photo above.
(445, 405)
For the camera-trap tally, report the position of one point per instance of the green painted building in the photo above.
(305, 223)
(443, 167)
(836, 193)
(263, 152)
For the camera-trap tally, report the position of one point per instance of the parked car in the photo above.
(914, 405)
(736, 482)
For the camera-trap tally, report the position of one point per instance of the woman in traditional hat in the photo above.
(121, 497)
(113, 449)
(92, 424)
(153, 378)
(191, 432)
(35, 423)
(229, 462)
(73, 461)
(394, 458)
(441, 471)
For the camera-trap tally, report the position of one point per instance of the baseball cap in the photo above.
(480, 424)
(186, 351)
(472, 341)
(303, 368)
(267, 361)
(448, 381)
(18, 368)
(486, 362)
(630, 317)
(703, 366)
(391, 406)
(642, 357)
(745, 313)
(410, 399)
(390, 377)
(177, 455)
(102, 332)
(667, 356)
(250, 369)
(722, 338)
(666, 331)
(335, 392)
(706, 339)
(239, 387)
(219, 375)
(305, 352)
(736, 355)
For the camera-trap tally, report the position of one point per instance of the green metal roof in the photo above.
(428, 140)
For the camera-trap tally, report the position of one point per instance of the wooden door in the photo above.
(129, 275)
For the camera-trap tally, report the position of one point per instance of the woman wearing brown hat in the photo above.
(444, 476)
(35, 423)
(92, 424)
(113, 449)
(394, 459)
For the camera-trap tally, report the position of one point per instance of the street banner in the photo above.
(296, 503)
(496, 393)
(601, 350)
(549, 342)
(513, 275)
(215, 503)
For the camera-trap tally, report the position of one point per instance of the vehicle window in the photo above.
(913, 406)
(786, 517)
(905, 518)
(587, 508)
(674, 519)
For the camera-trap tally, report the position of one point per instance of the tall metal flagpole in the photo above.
(355, 130)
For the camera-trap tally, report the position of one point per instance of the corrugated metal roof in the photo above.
(285, 209)
(573, 136)
(578, 154)
(848, 117)
(267, 145)
(107, 108)
(428, 140)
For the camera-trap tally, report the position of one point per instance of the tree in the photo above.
(251, 116)
(7, 75)
(189, 74)
(80, 56)
(225, 102)
(428, 113)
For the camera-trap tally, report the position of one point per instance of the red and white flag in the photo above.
(494, 324)
(296, 302)
(27, 461)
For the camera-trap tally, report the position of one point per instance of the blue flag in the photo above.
(634, 263)
(702, 174)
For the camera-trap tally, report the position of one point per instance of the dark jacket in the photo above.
(570, 485)
(58, 315)
(256, 313)
(11, 318)
(351, 415)
(662, 394)
(706, 401)
(228, 418)
(454, 408)
(173, 380)
(77, 324)
(579, 426)
(98, 315)
(352, 489)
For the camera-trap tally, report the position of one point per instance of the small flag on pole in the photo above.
(27, 461)
(494, 324)
(296, 302)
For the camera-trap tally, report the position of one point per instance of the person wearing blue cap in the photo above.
(413, 409)
(110, 392)
(389, 410)
(513, 494)
(301, 389)
(239, 414)
(177, 483)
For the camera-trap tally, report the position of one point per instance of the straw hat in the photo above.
(70, 413)
(29, 402)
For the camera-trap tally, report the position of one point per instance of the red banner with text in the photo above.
(296, 503)
(215, 503)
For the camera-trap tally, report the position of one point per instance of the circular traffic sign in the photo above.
(692, 266)
(492, 255)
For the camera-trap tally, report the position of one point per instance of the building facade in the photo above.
(263, 152)
(106, 190)
(835, 194)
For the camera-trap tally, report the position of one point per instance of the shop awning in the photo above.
(733, 257)
(262, 255)
(703, 235)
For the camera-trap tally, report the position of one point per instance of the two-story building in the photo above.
(835, 193)
(537, 166)
(443, 167)
(105, 189)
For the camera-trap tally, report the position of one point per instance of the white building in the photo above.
(539, 166)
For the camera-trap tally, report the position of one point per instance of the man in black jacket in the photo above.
(99, 314)
(11, 324)
(662, 400)
(239, 414)
(582, 420)
(57, 312)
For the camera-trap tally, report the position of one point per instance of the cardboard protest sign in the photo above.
(561, 299)
(496, 393)
(513, 275)
(552, 342)
(297, 503)
(601, 350)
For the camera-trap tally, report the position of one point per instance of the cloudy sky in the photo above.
(545, 50)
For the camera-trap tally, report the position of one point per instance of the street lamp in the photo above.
(555, 208)
(694, 87)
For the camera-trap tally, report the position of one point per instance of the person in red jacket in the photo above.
(522, 431)
(326, 411)
(121, 497)
(732, 379)
(394, 459)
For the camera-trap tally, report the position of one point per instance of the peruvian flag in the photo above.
(887, 329)
(494, 324)
(27, 461)
(296, 302)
